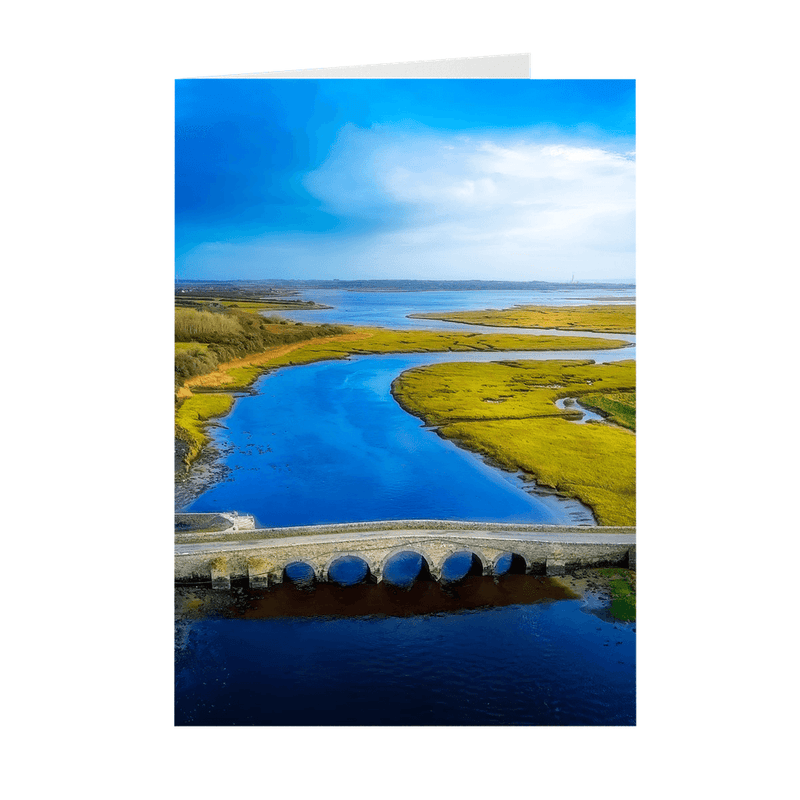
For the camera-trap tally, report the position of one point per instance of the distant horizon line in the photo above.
(617, 281)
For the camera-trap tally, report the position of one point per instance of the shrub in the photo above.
(227, 334)
(205, 326)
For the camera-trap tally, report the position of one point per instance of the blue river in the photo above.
(326, 443)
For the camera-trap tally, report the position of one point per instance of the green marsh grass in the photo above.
(380, 340)
(619, 406)
(622, 583)
(193, 414)
(593, 462)
(601, 318)
(370, 341)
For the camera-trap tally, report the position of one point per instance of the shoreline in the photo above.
(538, 486)
(605, 318)
(205, 471)
(206, 468)
(527, 325)
(220, 381)
(501, 440)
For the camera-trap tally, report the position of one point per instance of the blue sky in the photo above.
(451, 179)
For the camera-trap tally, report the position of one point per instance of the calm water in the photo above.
(588, 414)
(391, 309)
(327, 443)
(545, 662)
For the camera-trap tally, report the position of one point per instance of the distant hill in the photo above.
(392, 285)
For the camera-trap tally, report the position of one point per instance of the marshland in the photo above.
(356, 411)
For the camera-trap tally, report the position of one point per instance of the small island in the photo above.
(606, 318)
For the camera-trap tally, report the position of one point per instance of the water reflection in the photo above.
(571, 404)
(420, 596)
(299, 573)
(344, 451)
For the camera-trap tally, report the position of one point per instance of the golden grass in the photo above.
(601, 318)
(505, 389)
(595, 464)
(205, 338)
(380, 340)
(242, 372)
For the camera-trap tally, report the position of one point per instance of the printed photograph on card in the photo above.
(405, 402)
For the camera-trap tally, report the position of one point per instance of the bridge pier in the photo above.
(555, 566)
(632, 558)
(220, 573)
(258, 573)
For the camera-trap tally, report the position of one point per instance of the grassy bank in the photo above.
(193, 414)
(506, 411)
(599, 318)
(212, 335)
(208, 337)
(240, 373)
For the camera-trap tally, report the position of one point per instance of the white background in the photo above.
(89, 189)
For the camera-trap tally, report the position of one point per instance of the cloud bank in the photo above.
(413, 203)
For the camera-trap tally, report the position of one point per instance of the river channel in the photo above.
(326, 443)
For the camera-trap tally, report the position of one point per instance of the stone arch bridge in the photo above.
(262, 555)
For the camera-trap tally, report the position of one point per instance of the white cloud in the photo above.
(511, 208)
(423, 204)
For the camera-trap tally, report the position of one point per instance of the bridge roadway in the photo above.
(262, 555)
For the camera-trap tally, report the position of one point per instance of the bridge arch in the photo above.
(325, 572)
(294, 566)
(425, 571)
(479, 563)
(406, 548)
(511, 563)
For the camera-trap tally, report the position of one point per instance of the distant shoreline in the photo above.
(398, 285)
